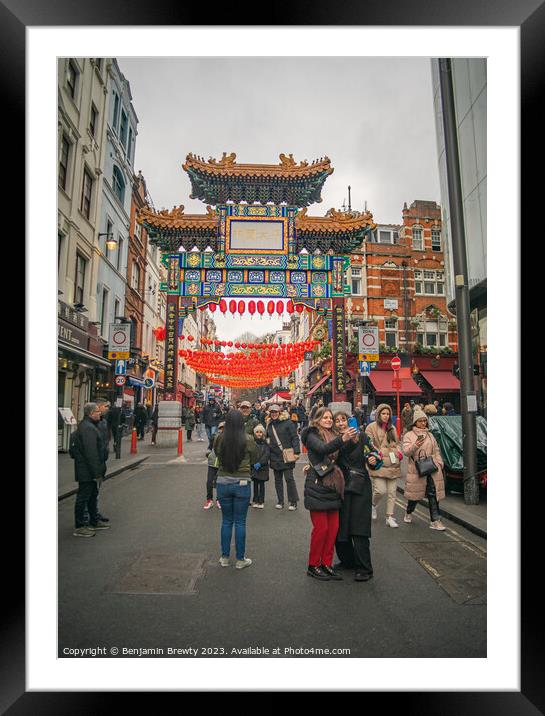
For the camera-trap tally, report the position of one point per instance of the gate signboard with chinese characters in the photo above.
(257, 243)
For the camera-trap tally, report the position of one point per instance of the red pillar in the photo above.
(338, 351)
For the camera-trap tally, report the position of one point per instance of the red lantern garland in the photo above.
(241, 307)
(223, 306)
(212, 306)
(270, 308)
(260, 308)
(251, 307)
(279, 307)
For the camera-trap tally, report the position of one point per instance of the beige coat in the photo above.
(390, 470)
(415, 486)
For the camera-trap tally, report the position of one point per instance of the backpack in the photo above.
(73, 447)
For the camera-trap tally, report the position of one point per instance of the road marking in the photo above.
(429, 568)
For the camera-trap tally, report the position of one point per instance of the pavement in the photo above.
(152, 581)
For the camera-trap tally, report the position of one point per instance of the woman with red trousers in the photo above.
(324, 488)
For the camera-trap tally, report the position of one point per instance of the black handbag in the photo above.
(425, 466)
(356, 482)
(323, 468)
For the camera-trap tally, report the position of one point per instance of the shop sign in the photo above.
(68, 416)
(72, 335)
(340, 348)
(171, 359)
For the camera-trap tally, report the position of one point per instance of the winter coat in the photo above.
(89, 461)
(155, 416)
(319, 497)
(211, 415)
(249, 458)
(379, 438)
(415, 486)
(249, 424)
(190, 419)
(140, 415)
(287, 434)
(104, 430)
(263, 456)
(355, 513)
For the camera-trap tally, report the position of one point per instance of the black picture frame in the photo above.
(529, 16)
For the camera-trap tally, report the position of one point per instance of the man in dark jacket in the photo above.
(140, 420)
(104, 430)
(250, 421)
(89, 471)
(281, 434)
(211, 416)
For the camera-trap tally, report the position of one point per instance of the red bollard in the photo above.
(133, 442)
(180, 441)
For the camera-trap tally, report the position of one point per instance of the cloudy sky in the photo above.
(373, 117)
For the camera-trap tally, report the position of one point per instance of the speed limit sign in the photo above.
(120, 380)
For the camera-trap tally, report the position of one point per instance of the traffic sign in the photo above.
(395, 363)
(120, 380)
(114, 355)
(365, 368)
(120, 367)
(120, 338)
(149, 382)
(369, 357)
(368, 341)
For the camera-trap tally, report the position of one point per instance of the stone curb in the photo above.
(453, 517)
(113, 473)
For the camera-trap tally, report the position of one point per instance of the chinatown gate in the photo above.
(258, 242)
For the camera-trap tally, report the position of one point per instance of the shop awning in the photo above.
(80, 353)
(442, 381)
(381, 380)
(136, 382)
(317, 385)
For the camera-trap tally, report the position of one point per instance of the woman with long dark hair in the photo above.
(236, 452)
(324, 489)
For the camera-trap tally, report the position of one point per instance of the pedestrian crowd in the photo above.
(352, 467)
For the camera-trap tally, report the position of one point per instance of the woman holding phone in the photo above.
(352, 543)
(418, 444)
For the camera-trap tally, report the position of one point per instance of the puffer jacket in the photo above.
(287, 434)
(379, 438)
(415, 486)
(319, 497)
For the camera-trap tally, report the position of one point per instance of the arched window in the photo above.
(118, 185)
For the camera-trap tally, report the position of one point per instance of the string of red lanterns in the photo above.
(233, 307)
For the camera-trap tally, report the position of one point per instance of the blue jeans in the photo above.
(211, 430)
(234, 500)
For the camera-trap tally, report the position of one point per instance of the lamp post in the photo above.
(111, 244)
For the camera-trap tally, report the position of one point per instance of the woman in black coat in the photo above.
(324, 487)
(352, 543)
(281, 434)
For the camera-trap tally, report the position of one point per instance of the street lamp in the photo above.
(111, 244)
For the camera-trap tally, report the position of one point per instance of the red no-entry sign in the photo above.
(395, 363)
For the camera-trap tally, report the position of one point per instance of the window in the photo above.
(435, 239)
(123, 129)
(81, 266)
(432, 333)
(418, 242)
(71, 79)
(390, 328)
(118, 185)
(129, 145)
(434, 282)
(356, 281)
(116, 111)
(63, 163)
(119, 253)
(86, 192)
(387, 236)
(93, 120)
(138, 231)
(104, 312)
(135, 276)
(59, 250)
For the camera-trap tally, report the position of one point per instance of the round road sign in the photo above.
(395, 363)
(120, 380)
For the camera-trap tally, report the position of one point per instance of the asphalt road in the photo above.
(153, 580)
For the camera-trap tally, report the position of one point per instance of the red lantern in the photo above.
(190, 338)
(182, 337)
(237, 345)
(290, 308)
(299, 308)
(233, 306)
(216, 343)
(223, 305)
(279, 307)
(251, 307)
(212, 307)
(260, 308)
(230, 344)
(243, 345)
(270, 308)
(241, 307)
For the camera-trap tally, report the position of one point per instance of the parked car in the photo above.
(447, 430)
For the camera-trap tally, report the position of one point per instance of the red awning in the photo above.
(317, 385)
(381, 380)
(442, 381)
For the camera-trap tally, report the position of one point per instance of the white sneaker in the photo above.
(279, 507)
(437, 525)
(373, 512)
(407, 518)
(224, 561)
(260, 506)
(292, 507)
(241, 563)
(391, 522)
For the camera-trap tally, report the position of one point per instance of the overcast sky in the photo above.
(372, 117)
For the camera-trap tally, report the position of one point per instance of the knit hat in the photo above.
(259, 428)
(418, 414)
(430, 409)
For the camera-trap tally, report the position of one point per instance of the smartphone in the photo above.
(353, 423)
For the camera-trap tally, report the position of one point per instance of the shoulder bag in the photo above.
(288, 454)
(425, 465)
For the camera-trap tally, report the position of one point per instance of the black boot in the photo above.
(332, 573)
(317, 573)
